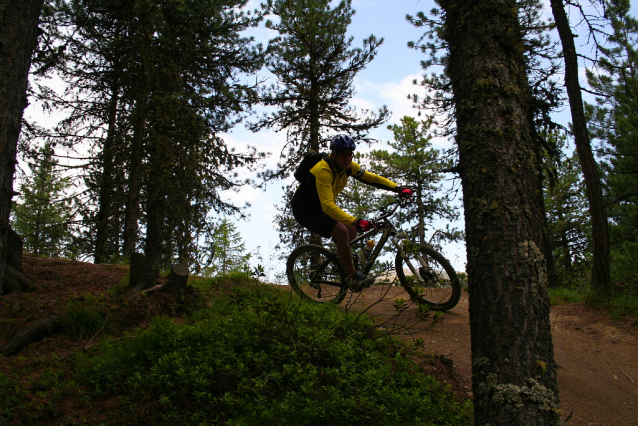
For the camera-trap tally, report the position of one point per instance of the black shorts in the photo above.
(312, 218)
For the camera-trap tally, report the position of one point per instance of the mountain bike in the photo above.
(316, 273)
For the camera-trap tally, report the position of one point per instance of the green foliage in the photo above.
(224, 250)
(568, 218)
(259, 357)
(35, 397)
(614, 121)
(624, 300)
(566, 295)
(85, 316)
(415, 163)
(43, 217)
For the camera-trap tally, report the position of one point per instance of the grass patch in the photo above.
(256, 356)
(622, 303)
(564, 295)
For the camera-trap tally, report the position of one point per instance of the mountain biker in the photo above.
(313, 204)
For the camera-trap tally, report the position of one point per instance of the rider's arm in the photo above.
(371, 179)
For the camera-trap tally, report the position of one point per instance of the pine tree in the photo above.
(43, 218)
(614, 121)
(413, 162)
(568, 215)
(228, 251)
(161, 82)
(315, 65)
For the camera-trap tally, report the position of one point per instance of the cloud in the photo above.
(392, 94)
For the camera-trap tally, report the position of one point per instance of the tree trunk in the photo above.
(548, 245)
(154, 215)
(105, 200)
(601, 272)
(141, 274)
(514, 373)
(155, 207)
(135, 182)
(15, 281)
(18, 38)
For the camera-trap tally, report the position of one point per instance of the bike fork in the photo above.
(397, 240)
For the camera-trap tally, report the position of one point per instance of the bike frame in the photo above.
(389, 232)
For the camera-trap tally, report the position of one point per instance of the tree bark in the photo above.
(177, 279)
(601, 271)
(135, 182)
(154, 215)
(31, 333)
(18, 39)
(514, 373)
(141, 274)
(105, 200)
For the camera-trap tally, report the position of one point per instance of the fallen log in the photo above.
(33, 332)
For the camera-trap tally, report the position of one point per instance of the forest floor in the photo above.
(597, 356)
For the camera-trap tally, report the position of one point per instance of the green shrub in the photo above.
(262, 358)
(84, 316)
(564, 295)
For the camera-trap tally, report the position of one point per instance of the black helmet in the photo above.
(342, 143)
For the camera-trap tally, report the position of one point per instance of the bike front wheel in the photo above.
(316, 274)
(436, 285)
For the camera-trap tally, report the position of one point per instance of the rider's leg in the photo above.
(343, 235)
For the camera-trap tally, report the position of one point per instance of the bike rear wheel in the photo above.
(438, 287)
(316, 274)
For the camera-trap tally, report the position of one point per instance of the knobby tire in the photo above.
(441, 290)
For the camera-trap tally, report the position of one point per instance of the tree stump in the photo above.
(15, 281)
(177, 279)
(141, 274)
(15, 246)
(31, 333)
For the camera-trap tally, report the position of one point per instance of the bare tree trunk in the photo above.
(105, 200)
(513, 368)
(134, 182)
(154, 216)
(141, 273)
(601, 272)
(18, 38)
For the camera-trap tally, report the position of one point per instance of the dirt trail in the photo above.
(598, 357)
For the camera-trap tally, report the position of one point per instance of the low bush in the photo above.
(260, 357)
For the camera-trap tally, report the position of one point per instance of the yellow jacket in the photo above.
(330, 180)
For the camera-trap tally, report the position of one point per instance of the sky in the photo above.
(387, 80)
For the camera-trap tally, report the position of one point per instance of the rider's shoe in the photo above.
(359, 282)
